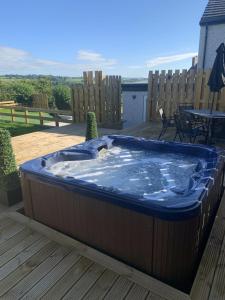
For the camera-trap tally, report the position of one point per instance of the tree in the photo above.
(5, 92)
(91, 131)
(22, 91)
(62, 97)
(43, 85)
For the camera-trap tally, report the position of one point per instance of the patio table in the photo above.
(209, 116)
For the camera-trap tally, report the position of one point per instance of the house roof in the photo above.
(214, 13)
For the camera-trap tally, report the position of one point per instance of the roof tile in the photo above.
(214, 12)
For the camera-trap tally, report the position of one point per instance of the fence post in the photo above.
(150, 94)
(41, 118)
(56, 122)
(168, 102)
(72, 104)
(12, 114)
(198, 89)
(26, 116)
(155, 98)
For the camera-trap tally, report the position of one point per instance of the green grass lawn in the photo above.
(19, 128)
(21, 119)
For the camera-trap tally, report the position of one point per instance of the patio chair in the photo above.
(166, 123)
(185, 128)
(218, 132)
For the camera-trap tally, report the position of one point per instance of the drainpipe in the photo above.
(205, 46)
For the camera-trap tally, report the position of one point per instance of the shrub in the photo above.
(22, 92)
(42, 85)
(62, 97)
(9, 177)
(91, 131)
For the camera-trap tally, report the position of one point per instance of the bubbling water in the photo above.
(133, 171)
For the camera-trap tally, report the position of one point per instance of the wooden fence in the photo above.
(30, 113)
(169, 89)
(100, 95)
(8, 103)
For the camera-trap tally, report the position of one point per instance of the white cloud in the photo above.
(14, 60)
(161, 60)
(12, 54)
(89, 55)
(18, 61)
(96, 58)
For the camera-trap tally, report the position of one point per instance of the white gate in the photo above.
(134, 106)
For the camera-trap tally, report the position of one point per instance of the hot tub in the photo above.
(147, 203)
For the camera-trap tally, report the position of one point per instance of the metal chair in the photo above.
(218, 130)
(185, 128)
(166, 123)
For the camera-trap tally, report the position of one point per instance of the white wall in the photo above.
(216, 35)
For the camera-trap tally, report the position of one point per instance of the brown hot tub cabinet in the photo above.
(166, 249)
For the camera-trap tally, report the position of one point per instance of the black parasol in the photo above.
(217, 77)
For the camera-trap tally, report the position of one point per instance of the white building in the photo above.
(212, 32)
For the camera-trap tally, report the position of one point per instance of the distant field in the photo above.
(54, 79)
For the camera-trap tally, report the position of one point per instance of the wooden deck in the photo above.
(32, 266)
(37, 262)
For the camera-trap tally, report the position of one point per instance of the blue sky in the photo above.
(122, 37)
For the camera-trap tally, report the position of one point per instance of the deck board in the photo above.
(40, 289)
(18, 260)
(18, 282)
(120, 289)
(102, 285)
(69, 279)
(137, 293)
(152, 296)
(5, 222)
(218, 285)
(17, 238)
(21, 246)
(50, 258)
(82, 286)
(7, 232)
